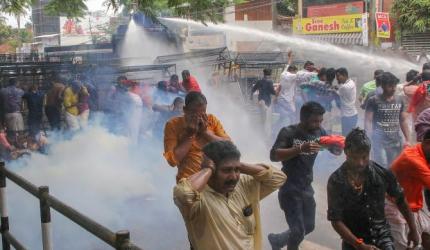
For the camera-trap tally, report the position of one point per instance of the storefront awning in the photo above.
(339, 38)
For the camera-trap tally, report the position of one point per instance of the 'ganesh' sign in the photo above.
(328, 25)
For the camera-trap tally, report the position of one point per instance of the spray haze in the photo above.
(127, 186)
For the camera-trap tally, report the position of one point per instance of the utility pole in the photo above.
(300, 8)
(274, 15)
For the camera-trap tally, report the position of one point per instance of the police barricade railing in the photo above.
(118, 240)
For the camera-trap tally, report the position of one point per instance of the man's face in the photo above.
(226, 176)
(314, 122)
(389, 89)
(309, 67)
(323, 78)
(194, 111)
(357, 160)
(426, 148)
(178, 106)
(184, 77)
(340, 78)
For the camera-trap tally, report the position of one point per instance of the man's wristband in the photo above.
(359, 241)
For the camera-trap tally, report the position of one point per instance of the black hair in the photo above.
(12, 81)
(323, 72)
(342, 71)
(411, 75)
(426, 66)
(389, 78)
(310, 108)
(307, 63)
(186, 73)
(426, 135)
(219, 151)
(378, 72)
(178, 100)
(162, 85)
(331, 74)
(425, 76)
(195, 97)
(267, 72)
(357, 141)
(174, 77)
(121, 78)
(291, 68)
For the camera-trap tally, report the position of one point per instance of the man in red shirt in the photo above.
(189, 82)
(412, 170)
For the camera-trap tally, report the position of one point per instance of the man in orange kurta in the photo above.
(185, 136)
(412, 170)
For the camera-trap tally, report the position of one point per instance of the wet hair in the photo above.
(342, 72)
(291, 68)
(195, 98)
(378, 72)
(323, 72)
(267, 72)
(388, 78)
(411, 75)
(357, 141)
(425, 76)
(219, 151)
(426, 66)
(311, 108)
(12, 81)
(331, 74)
(308, 63)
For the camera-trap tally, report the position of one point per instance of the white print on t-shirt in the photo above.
(298, 143)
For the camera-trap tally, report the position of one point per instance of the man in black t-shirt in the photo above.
(356, 197)
(265, 92)
(297, 147)
(385, 117)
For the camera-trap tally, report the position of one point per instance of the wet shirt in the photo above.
(386, 116)
(347, 93)
(265, 90)
(34, 104)
(300, 168)
(288, 84)
(217, 222)
(362, 212)
(12, 99)
(413, 173)
(174, 131)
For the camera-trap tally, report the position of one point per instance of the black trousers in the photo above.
(299, 208)
(54, 117)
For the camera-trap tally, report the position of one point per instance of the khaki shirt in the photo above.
(215, 221)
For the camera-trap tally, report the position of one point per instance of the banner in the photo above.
(335, 9)
(328, 25)
(383, 26)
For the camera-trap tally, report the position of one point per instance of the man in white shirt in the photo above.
(347, 92)
(304, 76)
(286, 93)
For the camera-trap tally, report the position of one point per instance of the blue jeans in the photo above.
(348, 123)
(385, 150)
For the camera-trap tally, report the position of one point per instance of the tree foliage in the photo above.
(200, 10)
(412, 15)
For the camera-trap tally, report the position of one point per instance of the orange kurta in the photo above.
(174, 131)
(413, 173)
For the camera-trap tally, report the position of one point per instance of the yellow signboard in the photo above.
(328, 24)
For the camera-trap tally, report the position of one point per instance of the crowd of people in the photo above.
(65, 104)
(375, 197)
